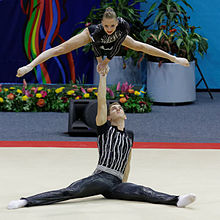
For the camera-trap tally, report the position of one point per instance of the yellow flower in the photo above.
(49, 90)
(5, 89)
(77, 98)
(38, 95)
(39, 88)
(143, 92)
(70, 92)
(137, 93)
(86, 95)
(94, 88)
(1, 99)
(121, 95)
(12, 88)
(24, 98)
(59, 90)
(19, 91)
(96, 93)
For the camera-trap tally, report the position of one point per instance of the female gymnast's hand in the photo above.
(102, 66)
(23, 70)
(104, 71)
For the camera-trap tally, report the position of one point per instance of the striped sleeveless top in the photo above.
(114, 147)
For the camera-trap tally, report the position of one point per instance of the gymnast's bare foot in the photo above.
(181, 61)
(23, 70)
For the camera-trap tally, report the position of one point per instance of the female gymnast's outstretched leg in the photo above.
(106, 38)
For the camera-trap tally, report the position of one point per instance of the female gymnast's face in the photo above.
(109, 25)
(116, 112)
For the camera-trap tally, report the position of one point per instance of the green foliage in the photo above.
(137, 105)
(172, 31)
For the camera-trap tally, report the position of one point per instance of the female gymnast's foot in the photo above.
(186, 200)
(181, 61)
(23, 70)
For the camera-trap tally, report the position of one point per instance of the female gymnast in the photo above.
(106, 39)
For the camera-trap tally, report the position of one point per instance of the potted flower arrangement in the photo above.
(38, 98)
(169, 82)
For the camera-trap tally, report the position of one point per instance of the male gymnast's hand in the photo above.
(101, 67)
(104, 71)
(23, 70)
(102, 64)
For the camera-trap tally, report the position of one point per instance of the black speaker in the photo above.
(82, 117)
(82, 114)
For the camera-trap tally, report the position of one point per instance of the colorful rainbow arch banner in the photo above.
(41, 33)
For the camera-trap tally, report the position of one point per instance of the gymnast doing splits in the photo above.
(106, 38)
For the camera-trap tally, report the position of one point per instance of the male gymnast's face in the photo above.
(116, 112)
(109, 25)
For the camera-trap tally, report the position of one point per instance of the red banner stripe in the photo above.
(93, 144)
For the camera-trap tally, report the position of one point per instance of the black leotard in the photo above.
(108, 45)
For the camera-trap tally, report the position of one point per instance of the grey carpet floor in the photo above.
(198, 122)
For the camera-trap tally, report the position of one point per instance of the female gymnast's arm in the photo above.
(127, 169)
(73, 43)
(153, 51)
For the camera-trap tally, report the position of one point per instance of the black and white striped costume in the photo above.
(108, 45)
(114, 147)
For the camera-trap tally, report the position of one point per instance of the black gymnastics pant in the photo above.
(111, 187)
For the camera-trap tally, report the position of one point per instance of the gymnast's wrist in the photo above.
(106, 61)
(99, 60)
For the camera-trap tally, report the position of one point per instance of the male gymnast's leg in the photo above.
(130, 191)
(93, 185)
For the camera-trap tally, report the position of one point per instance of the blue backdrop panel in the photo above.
(207, 16)
(13, 54)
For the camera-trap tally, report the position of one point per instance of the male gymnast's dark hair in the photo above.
(109, 107)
